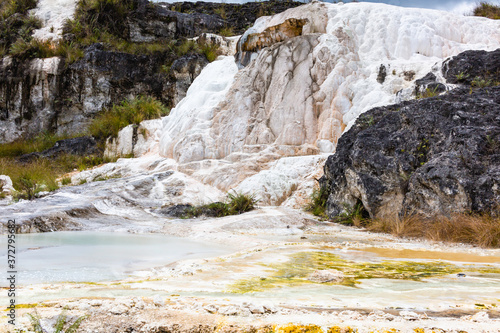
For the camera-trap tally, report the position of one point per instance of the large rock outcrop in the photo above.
(432, 156)
(46, 95)
(237, 17)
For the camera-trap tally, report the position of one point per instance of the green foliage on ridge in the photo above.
(486, 9)
(16, 25)
(132, 111)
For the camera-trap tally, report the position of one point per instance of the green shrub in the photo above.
(227, 32)
(317, 204)
(133, 111)
(238, 203)
(16, 23)
(488, 10)
(235, 204)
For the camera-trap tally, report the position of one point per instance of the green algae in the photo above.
(295, 271)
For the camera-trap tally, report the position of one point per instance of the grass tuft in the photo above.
(317, 204)
(428, 93)
(236, 203)
(227, 32)
(486, 9)
(132, 111)
(61, 323)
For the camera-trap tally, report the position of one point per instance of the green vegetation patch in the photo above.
(236, 203)
(132, 111)
(488, 10)
(95, 21)
(295, 271)
(16, 25)
(41, 174)
(317, 204)
(63, 323)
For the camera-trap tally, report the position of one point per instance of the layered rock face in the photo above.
(432, 156)
(49, 95)
(45, 95)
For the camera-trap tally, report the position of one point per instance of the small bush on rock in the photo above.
(239, 203)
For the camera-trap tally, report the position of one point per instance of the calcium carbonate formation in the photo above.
(299, 80)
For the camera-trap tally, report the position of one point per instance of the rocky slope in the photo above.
(432, 156)
(49, 94)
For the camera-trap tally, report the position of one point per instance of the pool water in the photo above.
(75, 256)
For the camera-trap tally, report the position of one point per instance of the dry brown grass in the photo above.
(479, 230)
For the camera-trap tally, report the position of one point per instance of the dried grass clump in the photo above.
(480, 230)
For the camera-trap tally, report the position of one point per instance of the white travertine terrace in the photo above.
(297, 97)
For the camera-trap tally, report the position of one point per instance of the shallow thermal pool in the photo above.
(97, 256)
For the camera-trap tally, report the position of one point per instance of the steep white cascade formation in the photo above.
(304, 87)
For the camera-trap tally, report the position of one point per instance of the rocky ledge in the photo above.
(430, 156)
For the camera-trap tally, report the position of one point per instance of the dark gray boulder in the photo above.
(472, 65)
(430, 156)
(82, 146)
(175, 211)
(428, 84)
